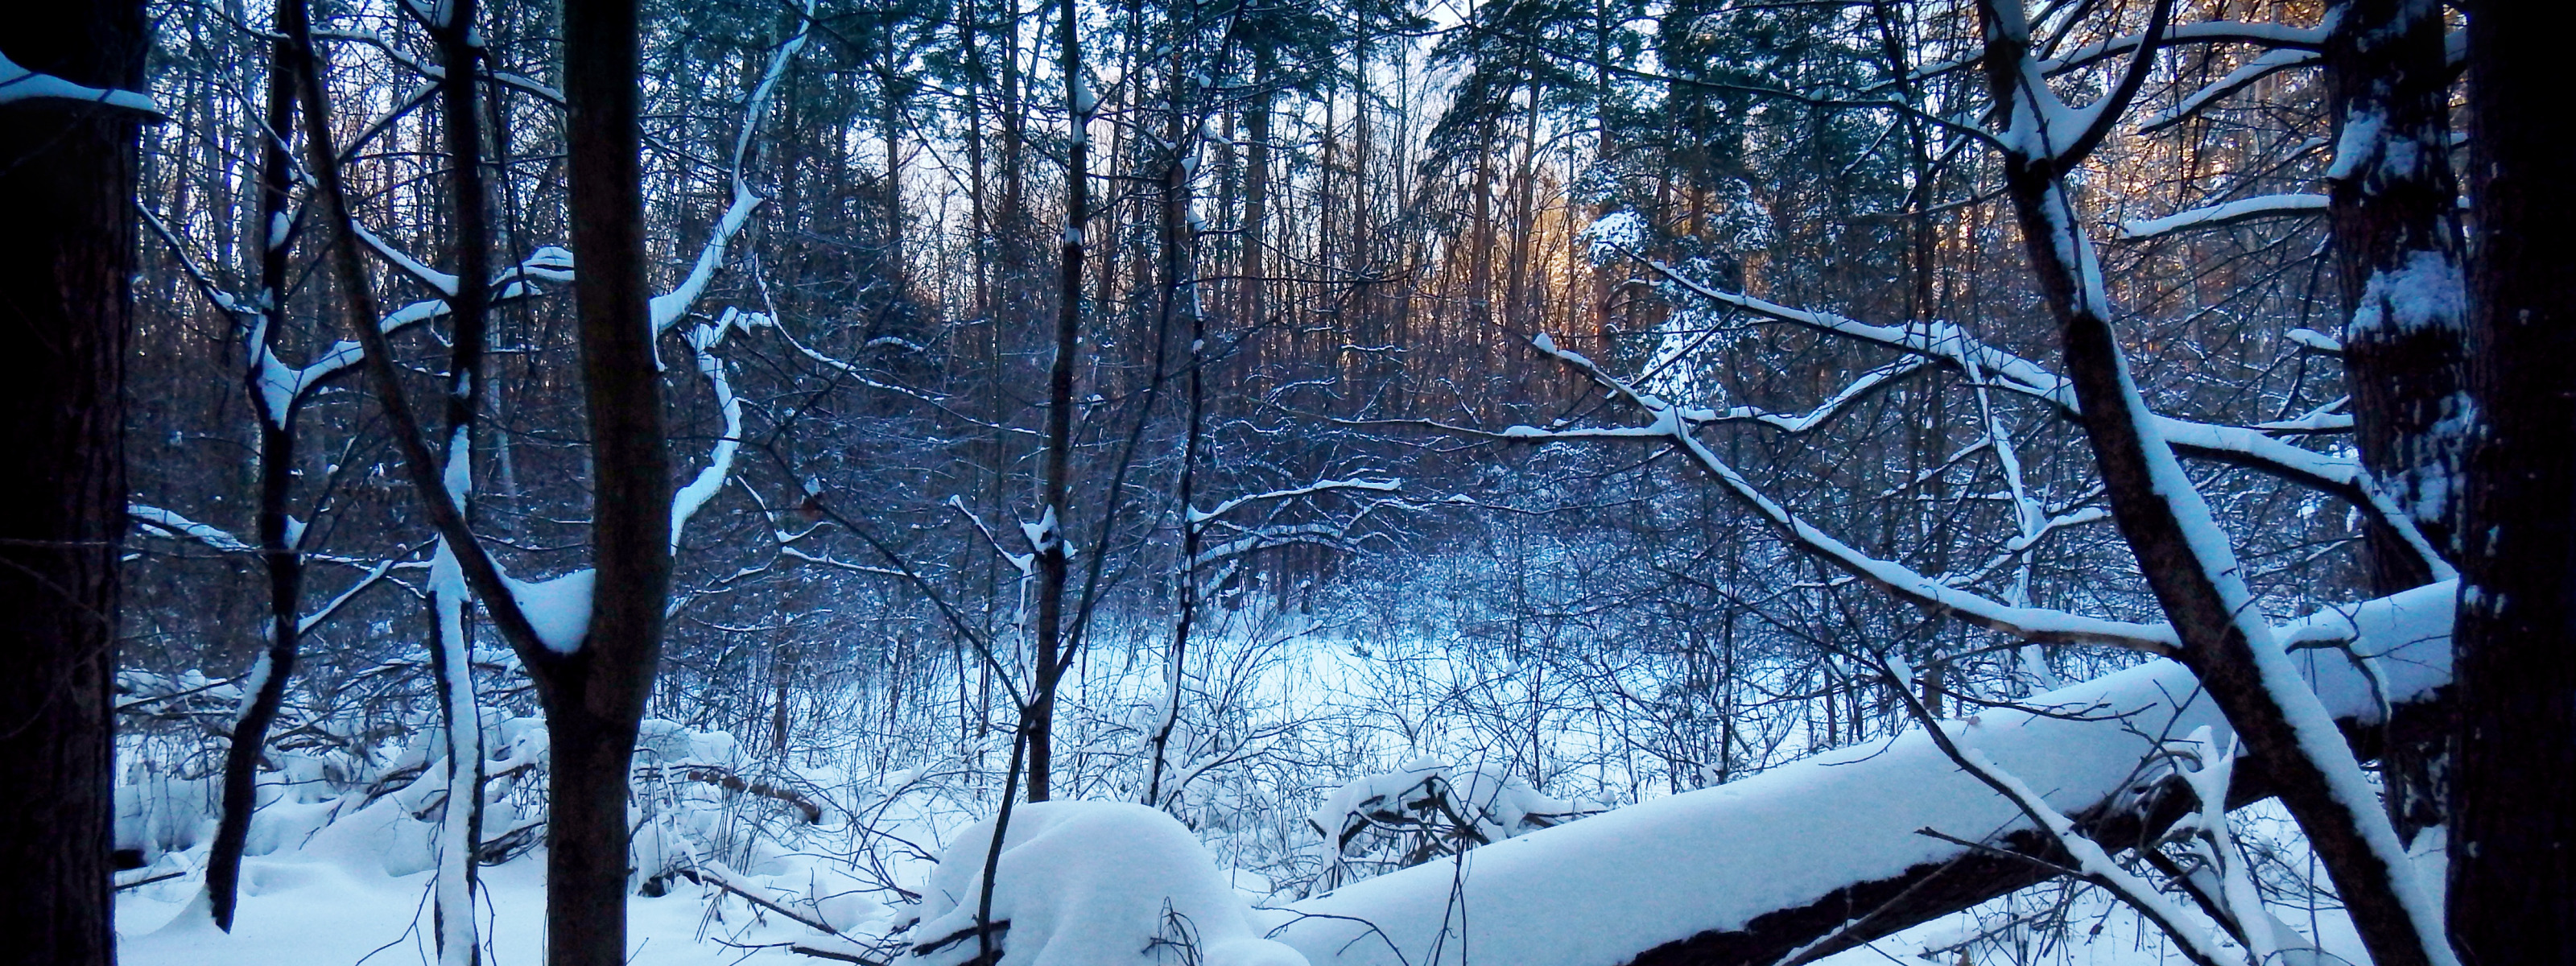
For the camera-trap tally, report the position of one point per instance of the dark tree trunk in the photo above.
(2396, 221)
(1180, 317)
(2513, 838)
(890, 130)
(1011, 246)
(1256, 188)
(595, 696)
(2395, 215)
(1037, 721)
(451, 648)
(594, 689)
(66, 196)
(284, 564)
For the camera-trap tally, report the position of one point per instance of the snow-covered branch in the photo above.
(1197, 516)
(2265, 35)
(1022, 562)
(1954, 348)
(2270, 63)
(2186, 556)
(2273, 36)
(179, 527)
(711, 479)
(441, 282)
(2229, 213)
(1673, 423)
(1865, 385)
(434, 72)
(20, 84)
(669, 307)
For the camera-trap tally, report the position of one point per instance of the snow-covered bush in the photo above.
(1425, 810)
(1089, 884)
(699, 798)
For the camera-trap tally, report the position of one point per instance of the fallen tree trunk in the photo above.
(1823, 854)
(727, 780)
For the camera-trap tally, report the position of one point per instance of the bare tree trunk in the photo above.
(2396, 223)
(783, 671)
(1008, 233)
(282, 561)
(1037, 721)
(889, 127)
(595, 696)
(67, 193)
(1180, 307)
(1256, 187)
(2513, 838)
(593, 689)
(1480, 254)
(451, 654)
(1517, 284)
(980, 220)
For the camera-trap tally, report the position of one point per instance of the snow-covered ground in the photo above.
(1553, 887)
(330, 911)
(323, 911)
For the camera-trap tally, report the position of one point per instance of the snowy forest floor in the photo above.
(334, 906)
(339, 871)
(321, 911)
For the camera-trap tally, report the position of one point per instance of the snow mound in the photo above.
(1090, 884)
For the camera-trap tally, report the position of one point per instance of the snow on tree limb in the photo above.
(20, 84)
(184, 528)
(2229, 213)
(2252, 448)
(2268, 35)
(441, 282)
(1670, 422)
(670, 306)
(711, 478)
(1196, 516)
(2270, 63)
(434, 72)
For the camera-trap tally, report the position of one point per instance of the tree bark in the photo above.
(1037, 721)
(283, 563)
(1009, 243)
(1256, 188)
(2392, 203)
(1180, 310)
(67, 174)
(595, 696)
(2513, 839)
(451, 640)
(889, 130)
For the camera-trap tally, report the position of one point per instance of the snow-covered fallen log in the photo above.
(1824, 853)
